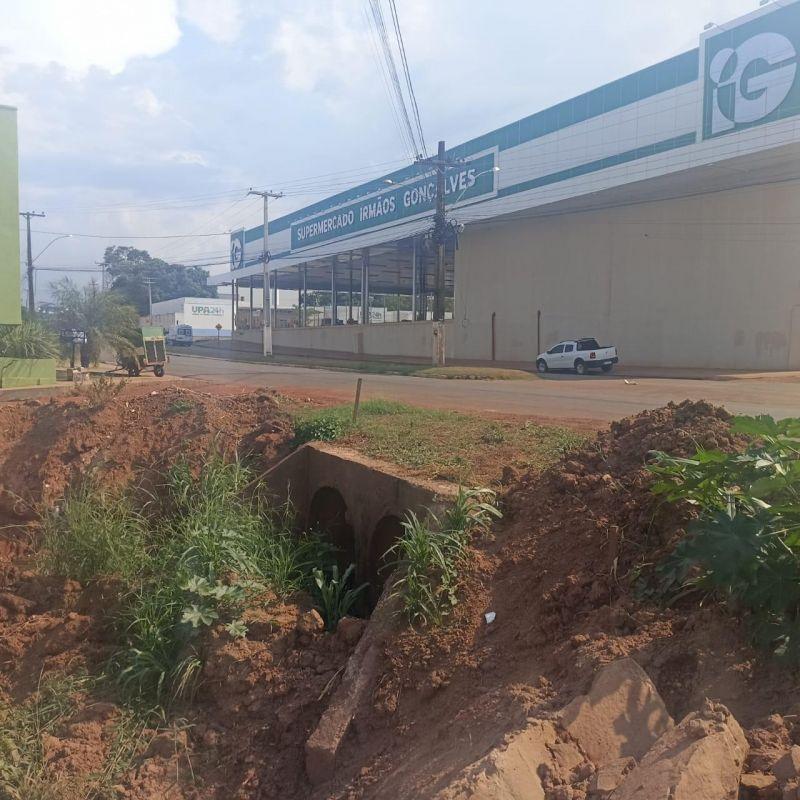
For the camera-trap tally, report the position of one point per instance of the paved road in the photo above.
(599, 398)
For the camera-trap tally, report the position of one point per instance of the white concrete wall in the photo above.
(391, 339)
(704, 281)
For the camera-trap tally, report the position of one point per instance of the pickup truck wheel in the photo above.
(607, 367)
(580, 366)
(541, 365)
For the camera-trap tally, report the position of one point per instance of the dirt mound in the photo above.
(242, 735)
(562, 574)
(45, 445)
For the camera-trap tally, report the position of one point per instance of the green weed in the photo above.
(744, 546)
(431, 553)
(94, 534)
(209, 543)
(24, 774)
(335, 599)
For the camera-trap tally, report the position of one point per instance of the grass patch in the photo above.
(432, 551)
(475, 374)
(94, 534)
(24, 774)
(444, 445)
(209, 545)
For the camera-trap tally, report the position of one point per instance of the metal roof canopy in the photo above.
(390, 271)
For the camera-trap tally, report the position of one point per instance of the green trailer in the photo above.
(150, 354)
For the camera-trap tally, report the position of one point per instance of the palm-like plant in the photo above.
(105, 317)
(31, 339)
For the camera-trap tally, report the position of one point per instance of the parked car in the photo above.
(180, 335)
(579, 355)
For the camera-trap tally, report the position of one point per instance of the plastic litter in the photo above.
(489, 616)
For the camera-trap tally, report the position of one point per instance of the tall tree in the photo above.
(129, 268)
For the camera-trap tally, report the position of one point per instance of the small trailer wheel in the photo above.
(158, 370)
(133, 372)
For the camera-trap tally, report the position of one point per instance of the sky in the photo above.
(150, 119)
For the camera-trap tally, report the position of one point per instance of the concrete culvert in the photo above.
(378, 566)
(328, 514)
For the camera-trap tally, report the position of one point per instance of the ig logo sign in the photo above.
(750, 73)
(237, 250)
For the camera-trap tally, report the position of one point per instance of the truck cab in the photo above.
(180, 335)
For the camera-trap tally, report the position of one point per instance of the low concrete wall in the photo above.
(18, 372)
(407, 340)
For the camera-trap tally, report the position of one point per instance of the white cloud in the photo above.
(220, 20)
(318, 49)
(146, 100)
(80, 34)
(186, 157)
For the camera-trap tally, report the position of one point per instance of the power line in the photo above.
(129, 236)
(401, 47)
(383, 37)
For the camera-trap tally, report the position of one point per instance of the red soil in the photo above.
(561, 572)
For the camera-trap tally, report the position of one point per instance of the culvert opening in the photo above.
(328, 515)
(380, 560)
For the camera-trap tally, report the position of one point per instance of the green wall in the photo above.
(16, 372)
(9, 218)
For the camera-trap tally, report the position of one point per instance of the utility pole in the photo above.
(266, 321)
(149, 283)
(103, 269)
(440, 163)
(31, 291)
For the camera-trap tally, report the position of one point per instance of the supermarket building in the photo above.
(660, 212)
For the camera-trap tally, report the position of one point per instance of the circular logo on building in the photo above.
(751, 81)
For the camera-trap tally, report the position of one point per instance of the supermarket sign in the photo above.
(417, 197)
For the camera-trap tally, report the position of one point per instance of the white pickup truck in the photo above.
(579, 355)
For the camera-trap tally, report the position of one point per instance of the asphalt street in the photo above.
(599, 397)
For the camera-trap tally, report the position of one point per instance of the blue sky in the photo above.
(152, 118)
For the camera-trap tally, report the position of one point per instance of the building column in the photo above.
(233, 308)
(350, 300)
(334, 259)
(365, 286)
(299, 300)
(274, 315)
(305, 295)
(414, 279)
(250, 315)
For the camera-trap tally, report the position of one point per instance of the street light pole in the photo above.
(266, 321)
(31, 290)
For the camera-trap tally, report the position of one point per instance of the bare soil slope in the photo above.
(562, 572)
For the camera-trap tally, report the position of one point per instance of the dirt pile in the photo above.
(47, 444)
(241, 736)
(562, 574)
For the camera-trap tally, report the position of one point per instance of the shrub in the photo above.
(31, 339)
(744, 546)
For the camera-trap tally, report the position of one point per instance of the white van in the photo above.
(180, 335)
